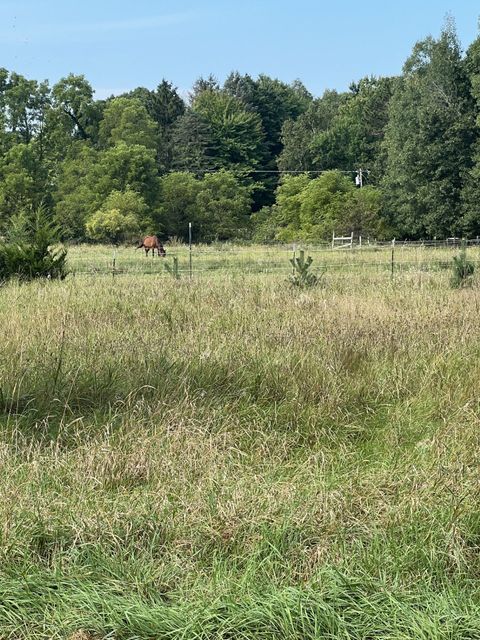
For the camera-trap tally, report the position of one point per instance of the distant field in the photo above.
(98, 259)
(232, 458)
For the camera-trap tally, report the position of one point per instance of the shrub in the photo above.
(29, 250)
(302, 276)
(112, 226)
(122, 217)
(462, 270)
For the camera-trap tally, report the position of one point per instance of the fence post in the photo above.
(360, 242)
(393, 257)
(294, 255)
(190, 248)
(333, 239)
(351, 240)
(114, 263)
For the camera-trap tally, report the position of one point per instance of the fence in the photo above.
(201, 260)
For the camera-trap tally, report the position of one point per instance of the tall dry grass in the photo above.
(230, 458)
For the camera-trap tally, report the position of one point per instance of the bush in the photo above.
(112, 226)
(302, 276)
(462, 270)
(121, 218)
(29, 250)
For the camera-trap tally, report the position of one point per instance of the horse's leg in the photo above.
(146, 252)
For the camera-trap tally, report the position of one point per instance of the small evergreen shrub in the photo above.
(29, 251)
(302, 276)
(462, 270)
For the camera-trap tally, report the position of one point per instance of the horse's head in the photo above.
(161, 250)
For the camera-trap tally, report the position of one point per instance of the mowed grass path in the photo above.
(231, 458)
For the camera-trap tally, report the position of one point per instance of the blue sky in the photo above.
(121, 44)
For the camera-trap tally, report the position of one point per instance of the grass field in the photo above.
(232, 458)
(235, 259)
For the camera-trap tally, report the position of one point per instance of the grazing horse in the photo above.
(152, 242)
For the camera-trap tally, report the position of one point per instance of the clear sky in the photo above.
(122, 44)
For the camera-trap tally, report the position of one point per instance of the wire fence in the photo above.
(395, 257)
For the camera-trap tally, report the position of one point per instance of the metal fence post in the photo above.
(393, 256)
(190, 248)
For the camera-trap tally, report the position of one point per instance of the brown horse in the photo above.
(152, 242)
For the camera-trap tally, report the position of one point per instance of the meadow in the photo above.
(229, 457)
(230, 258)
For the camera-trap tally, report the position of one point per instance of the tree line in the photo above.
(253, 158)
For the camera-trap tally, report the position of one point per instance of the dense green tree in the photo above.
(73, 98)
(192, 143)
(275, 102)
(223, 206)
(471, 186)
(203, 84)
(178, 203)
(429, 140)
(165, 107)
(126, 120)
(88, 178)
(237, 135)
(26, 102)
(323, 205)
(354, 137)
(74, 198)
(214, 162)
(288, 205)
(111, 225)
(298, 136)
(121, 218)
(23, 181)
(169, 105)
(126, 167)
(311, 209)
(3, 112)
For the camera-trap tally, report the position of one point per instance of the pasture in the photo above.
(265, 259)
(229, 457)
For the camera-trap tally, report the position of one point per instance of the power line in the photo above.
(277, 171)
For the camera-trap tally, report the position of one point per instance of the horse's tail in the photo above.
(140, 244)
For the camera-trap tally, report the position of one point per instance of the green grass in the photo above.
(231, 458)
(235, 259)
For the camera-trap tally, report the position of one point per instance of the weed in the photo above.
(173, 269)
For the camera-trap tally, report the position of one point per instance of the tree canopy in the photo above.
(250, 157)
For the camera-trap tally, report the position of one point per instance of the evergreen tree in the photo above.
(429, 140)
(193, 146)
